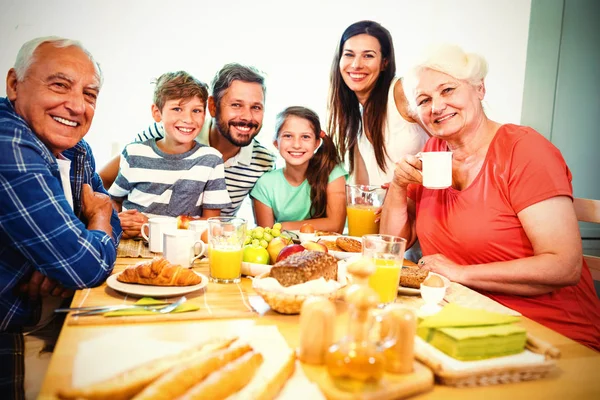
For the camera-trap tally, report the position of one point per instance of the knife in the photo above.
(111, 307)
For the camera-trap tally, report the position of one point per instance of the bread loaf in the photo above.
(184, 376)
(127, 384)
(305, 266)
(159, 272)
(227, 380)
(412, 277)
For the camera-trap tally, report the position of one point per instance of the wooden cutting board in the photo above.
(392, 386)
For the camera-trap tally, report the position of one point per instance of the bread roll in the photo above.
(159, 272)
(179, 379)
(227, 380)
(127, 384)
(412, 277)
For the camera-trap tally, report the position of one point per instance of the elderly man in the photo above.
(237, 107)
(57, 227)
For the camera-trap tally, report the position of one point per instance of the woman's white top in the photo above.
(401, 137)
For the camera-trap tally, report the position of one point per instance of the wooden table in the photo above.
(577, 375)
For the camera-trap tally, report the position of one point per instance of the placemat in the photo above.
(134, 248)
(466, 297)
(215, 301)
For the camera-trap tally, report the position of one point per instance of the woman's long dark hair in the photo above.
(322, 162)
(344, 121)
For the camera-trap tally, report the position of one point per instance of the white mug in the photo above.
(156, 227)
(437, 169)
(198, 226)
(178, 247)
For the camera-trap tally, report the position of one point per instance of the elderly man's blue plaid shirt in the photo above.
(38, 229)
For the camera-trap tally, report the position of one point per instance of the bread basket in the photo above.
(285, 303)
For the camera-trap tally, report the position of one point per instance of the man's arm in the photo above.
(109, 172)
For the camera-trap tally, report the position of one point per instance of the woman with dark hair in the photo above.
(368, 112)
(312, 182)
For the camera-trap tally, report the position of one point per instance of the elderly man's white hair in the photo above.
(26, 55)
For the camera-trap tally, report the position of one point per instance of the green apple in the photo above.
(255, 254)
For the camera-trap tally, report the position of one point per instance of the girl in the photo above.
(311, 182)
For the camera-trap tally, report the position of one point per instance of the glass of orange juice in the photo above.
(361, 203)
(225, 241)
(387, 254)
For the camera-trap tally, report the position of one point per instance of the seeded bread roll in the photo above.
(412, 277)
(305, 266)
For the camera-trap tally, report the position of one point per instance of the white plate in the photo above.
(340, 255)
(412, 291)
(138, 290)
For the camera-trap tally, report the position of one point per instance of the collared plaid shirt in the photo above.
(38, 228)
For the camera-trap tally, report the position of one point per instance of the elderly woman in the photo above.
(506, 227)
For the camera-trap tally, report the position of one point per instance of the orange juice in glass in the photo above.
(387, 254)
(225, 239)
(361, 203)
(385, 279)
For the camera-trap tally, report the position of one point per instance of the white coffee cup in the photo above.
(178, 247)
(198, 226)
(156, 227)
(437, 169)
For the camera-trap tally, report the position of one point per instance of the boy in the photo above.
(174, 175)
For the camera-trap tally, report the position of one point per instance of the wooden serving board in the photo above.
(392, 386)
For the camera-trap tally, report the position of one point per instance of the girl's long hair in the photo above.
(344, 121)
(322, 162)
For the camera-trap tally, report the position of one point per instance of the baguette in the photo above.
(227, 380)
(128, 383)
(159, 272)
(270, 378)
(178, 380)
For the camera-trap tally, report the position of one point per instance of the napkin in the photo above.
(454, 315)
(148, 301)
(472, 334)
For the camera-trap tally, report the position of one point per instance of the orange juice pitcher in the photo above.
(361, 203)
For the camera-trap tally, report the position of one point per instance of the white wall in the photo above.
(293, 42)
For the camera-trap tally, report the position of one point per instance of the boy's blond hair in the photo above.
(178, 85)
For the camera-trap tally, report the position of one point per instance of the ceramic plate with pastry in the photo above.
(341, 247)
(157, 278)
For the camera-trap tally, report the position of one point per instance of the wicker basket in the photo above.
(290, 303)
(492, 375)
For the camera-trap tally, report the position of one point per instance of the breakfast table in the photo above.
(236, 308)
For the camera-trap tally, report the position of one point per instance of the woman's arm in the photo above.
(551, 226)
(403, 106)
(360, 175)
(336, 210)
(263, 214)
(398, 214)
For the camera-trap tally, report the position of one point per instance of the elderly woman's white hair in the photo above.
(449, 59)
(26, 55)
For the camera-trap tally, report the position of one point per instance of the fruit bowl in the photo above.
(285, 303)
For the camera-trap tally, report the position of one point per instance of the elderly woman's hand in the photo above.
(408, 170)
(440, 264)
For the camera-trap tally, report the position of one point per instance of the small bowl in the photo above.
(306, 237)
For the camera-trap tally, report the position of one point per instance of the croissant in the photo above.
(159, 272)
